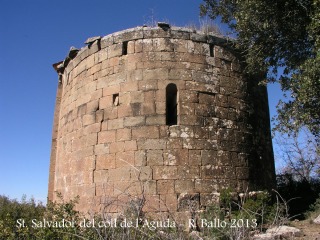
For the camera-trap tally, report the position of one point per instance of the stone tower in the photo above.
(161, 114)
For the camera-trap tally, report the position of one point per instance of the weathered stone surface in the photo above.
(92, 39)
(281, 232)
(317, 220)
(117, 137)
(188, 202)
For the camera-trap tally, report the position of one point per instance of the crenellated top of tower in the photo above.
(163, 30)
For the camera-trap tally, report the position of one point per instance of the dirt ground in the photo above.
(310, 231)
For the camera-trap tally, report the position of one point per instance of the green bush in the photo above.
(15, 214)
(236, 216)
(314, 209)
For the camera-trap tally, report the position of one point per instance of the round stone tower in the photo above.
(162, 116)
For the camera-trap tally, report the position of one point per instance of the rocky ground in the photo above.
(309, 230)
(296, 230)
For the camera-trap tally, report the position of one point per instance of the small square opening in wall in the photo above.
(125, 48)
(211, 46)
(115, 99)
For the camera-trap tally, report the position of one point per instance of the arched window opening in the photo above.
(171, 104)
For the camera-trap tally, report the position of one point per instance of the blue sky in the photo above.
(34, 34)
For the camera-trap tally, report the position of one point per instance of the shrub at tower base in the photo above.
(59, 220)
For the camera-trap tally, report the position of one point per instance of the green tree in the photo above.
(282, 34)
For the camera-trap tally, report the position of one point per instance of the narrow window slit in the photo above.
(171, 104)
(125, 48)
(211, 46)
(115, 99)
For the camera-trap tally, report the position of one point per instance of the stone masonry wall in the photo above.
(111, 144)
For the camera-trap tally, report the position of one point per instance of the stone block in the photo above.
(130, 145)
(206, 185)
(187, 108)
(90, 61)
(128, 35)
(180, 45)
(135, 109)
(162, 45)
(168, 202)
(160, 108)
(104, 125)
(148, 109)
(155, 74)
(115, 123)
(143, 173)
(176, 157)
(181, 34)
(188, 96)
(125, 158)
(124, 98)
(160, 95)
(116, 147)
(163, 131)
(123, 134)
(155, 33)
(107, 136)
(190, 120)
(131, 47)
(102, 55)
(188, 172)
(115, 50)
(110, 90)
(164, 172)
(140, 158)
(105, 102)
(147, 85)
(156, 120)
(129, 86)
(145, 132)
(198, 37)
(110, 113)
(152, 203)
(105, 161)
(207, 98)
(154, 158)
(175, 143)
(88, 119)
(180, 74)
(222, 53)
(138, 47)
(120, 174)
(104, 189)
(93, 128)
(100, 176)
(165, 186)
(184, 186)
(134, 121)
(137, 97)
(100, 149)
(90, 139)
(127, 190)
(151, 144)
(150, 187)
(209, 157)
(106, 41)
(99, 115)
